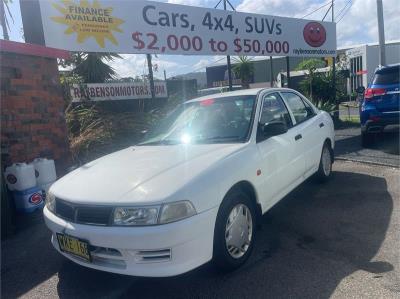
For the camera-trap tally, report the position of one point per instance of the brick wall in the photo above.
(32, 109)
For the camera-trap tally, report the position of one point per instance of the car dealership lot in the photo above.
(340, 239)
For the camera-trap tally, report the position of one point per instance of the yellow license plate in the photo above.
(74, 246)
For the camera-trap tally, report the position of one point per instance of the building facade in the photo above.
(362, 61)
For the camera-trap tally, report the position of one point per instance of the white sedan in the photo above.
(195, 188)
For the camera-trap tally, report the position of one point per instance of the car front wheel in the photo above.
(234, 231)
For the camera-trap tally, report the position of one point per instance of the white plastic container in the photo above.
(20, 176)
(45, 171)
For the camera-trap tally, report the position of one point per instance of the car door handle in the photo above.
(321, 125)
(298, 137)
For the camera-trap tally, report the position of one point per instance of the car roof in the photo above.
(389, 67)
(242, 92)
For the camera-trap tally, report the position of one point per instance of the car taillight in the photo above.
(373, 92)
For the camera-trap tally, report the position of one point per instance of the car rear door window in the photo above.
(274, 109)
(296, 105)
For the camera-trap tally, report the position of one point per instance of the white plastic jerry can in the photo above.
(20, 176)
(45, 172)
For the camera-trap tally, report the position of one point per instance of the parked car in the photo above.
(380, 105)
(195, 188)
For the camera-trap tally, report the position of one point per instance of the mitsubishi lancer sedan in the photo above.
(194, 189)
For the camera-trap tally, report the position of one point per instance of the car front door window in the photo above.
(300, 112)
(274, 110)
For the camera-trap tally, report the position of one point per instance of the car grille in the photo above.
(83, 214)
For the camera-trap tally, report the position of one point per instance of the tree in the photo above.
(310, 64)
(318, 85)
(244, 69)
(3, 17)
(91, 67)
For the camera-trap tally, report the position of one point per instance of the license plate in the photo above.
(74, 246)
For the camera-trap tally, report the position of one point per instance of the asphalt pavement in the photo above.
(385, 149)
(333, 240)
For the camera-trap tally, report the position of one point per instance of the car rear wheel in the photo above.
(325, 164)
(234, 231)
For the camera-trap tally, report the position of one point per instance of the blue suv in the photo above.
(380, 105)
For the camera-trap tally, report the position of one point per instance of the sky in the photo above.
(356, 24)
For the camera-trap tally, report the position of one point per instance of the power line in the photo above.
(343, 8)
(327, 12)
(347, 10)
(326, 4)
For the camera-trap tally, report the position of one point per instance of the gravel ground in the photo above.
(336, 240)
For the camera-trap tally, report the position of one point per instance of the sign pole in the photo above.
(271, 71)
(288, 71)
(151, 78)
(228, 60)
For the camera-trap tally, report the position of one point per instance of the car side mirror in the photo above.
(274, 128)
(360, 89)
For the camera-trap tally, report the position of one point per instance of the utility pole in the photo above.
(165, 75)
(271, 71)
(228, 60)
(336, 113)
(151, 78)
(381, 30)
(3, 20)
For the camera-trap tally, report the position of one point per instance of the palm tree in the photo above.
(93, 67)
(243, 69)
(3, 17)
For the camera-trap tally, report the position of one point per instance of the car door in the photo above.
(307, 126)
(280, 162)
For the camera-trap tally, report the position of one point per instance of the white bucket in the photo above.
(20, 176)
(45, 171)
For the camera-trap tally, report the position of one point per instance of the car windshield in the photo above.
(221, 120)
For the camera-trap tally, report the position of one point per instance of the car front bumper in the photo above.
(152, 251)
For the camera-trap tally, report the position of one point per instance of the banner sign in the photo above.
(145, 27)
(117, 91)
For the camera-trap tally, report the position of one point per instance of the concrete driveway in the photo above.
(339, 240)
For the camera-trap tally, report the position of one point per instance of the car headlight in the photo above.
(135, 215)
(175, 211)
(131, 216)
(51, 202)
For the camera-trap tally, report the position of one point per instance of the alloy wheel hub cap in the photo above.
(326, 161)
(238, 231)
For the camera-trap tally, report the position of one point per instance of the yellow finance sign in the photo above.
(88, 20)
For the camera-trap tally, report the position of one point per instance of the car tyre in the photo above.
(234, 233)
(325, 164)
